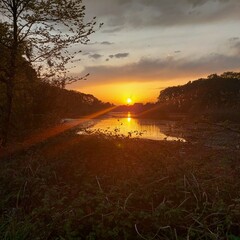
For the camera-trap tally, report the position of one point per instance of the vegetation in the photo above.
(217, 97)
(124, 189)
(38, 104)
(103, 186)
(42, 34)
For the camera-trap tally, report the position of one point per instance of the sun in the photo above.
(129, 100)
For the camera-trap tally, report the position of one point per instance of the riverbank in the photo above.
(223, 135)
(92, 187)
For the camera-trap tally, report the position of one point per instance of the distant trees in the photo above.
(37, 104)
(204, 95)
(39, 34)
(52, 103)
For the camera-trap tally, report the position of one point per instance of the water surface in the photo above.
(124, 124)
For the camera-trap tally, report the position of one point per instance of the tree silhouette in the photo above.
(44, 33)
(215, 93)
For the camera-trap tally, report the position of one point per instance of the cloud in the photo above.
(120, 14)
(236, 46)
(106, 43)
(119, 55)
(102, 43)
(162, 69)
(95, 56)
(234, 39)
(112, 29)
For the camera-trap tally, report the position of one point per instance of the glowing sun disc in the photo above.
(129, 100)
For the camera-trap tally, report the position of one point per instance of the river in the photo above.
(125, 125)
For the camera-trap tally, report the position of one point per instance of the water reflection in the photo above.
(129, 117)
(125, 124)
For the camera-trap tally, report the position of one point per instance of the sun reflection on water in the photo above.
(129, 118)
(125, 124)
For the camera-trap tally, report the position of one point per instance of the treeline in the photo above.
(38, 104)
(136, 108)
(216, 97)
(58, 103)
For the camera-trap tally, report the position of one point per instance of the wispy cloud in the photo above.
(95, 56)
(234, 39)
(101, 43)
(106, 43)
(119, 55)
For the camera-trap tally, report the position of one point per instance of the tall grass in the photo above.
(87, 187)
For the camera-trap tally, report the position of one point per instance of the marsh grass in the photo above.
(89, 187)
(114, 133)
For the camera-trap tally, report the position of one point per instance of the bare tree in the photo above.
(43, 32)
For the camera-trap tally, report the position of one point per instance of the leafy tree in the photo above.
(212, 95)
(43, 33)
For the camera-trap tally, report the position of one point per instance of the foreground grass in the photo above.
(86, 187)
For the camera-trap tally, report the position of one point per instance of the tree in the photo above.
(43, 33)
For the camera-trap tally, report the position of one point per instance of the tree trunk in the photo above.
(7, 117)
(11, 75)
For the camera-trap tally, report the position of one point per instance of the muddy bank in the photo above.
(218, 136)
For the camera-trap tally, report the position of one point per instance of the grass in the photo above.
(90, 187)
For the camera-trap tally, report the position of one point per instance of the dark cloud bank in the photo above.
(119, 14)
(162, 69)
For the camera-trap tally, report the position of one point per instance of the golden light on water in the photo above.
(129, 117)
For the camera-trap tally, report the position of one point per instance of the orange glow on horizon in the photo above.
(119, 92)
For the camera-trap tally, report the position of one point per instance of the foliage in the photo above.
(21, 94)
(51, 104)
(46, 31)
(38, 104)
(40, 33)
(124, 189)
(218, 94)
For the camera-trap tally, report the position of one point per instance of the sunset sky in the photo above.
(145, 46)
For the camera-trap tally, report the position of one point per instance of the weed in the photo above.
(119, 188)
